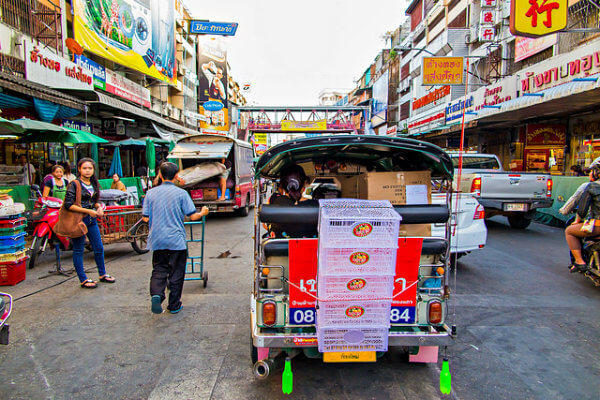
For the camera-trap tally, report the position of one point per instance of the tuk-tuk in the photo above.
(284, 296)
(201, 154)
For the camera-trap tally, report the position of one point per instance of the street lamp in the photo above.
(409, 48)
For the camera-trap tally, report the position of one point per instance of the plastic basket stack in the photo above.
(13, 256)
(358, 241)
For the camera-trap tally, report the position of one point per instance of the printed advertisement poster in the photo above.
(212, 90)
(380, 100)
(139, 34)
(527, 47)
(260, 143)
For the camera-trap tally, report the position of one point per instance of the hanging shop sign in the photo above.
(535, 18)
(260, 143)
(82, 126)
(392, 130)
(561, 69)
(546, 134)
(527, 47)
(213, 28)
(288, 125)
(139, 35)
(431, 97)
(442, 71)
(49, 69)
(213, 105)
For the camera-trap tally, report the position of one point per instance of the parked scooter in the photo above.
(590, 250)
(6, 302)
(44, 218)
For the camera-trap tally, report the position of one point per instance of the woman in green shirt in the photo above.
(57, 186)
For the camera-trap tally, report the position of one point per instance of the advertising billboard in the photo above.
(212, 88)
(139, 34)
(380, 100)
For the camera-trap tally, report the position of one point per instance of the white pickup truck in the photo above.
(515, 195)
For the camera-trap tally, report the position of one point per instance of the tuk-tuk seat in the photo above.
(279, 248)
(411, 214)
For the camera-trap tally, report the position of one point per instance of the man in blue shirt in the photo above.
(165, 208)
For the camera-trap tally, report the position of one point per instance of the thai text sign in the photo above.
(213, 28)
(442, 71)
(546, 134)
(579, 63)
(44, 67)
(431, 97)
(534, 18)
(287, 125)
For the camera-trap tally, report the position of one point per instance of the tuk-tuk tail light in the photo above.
(549, 188)
(435, 312)
(238, 191)
(269, 313)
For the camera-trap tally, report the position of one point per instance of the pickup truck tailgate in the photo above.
(513, 185)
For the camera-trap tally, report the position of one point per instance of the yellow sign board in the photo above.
(442, 71)
(534, 18)
(350, 356)
(302, 126)
(260, 138)
(141, 37)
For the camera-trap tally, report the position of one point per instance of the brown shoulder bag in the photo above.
(70, 223)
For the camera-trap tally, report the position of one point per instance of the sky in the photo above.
(289, 51)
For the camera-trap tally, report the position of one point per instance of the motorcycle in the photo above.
(590, 250)
(5, 311)
(44, 218)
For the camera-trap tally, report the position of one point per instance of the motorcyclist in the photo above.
(587, 220)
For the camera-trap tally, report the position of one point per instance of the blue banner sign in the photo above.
(213, 28)
(212, 105)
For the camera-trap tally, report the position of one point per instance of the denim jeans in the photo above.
(96, 242)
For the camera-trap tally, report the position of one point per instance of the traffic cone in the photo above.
(287, 379)
(445, 378)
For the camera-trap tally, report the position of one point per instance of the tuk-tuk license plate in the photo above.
(515, 207)
(211, 207)
(350, 356)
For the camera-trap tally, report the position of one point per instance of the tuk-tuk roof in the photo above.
(206, 146)
(376, 151)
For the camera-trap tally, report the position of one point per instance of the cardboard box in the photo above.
(210, 194)
(419, 230)
(401, 187)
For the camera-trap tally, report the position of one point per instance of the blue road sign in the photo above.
(213, 28)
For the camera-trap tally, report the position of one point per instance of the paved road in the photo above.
(527, 329)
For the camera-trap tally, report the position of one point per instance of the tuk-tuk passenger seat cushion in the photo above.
(279, 248)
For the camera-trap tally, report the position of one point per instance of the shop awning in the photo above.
(166, 135)
(212, 150)
(141, 112)
(23, 86)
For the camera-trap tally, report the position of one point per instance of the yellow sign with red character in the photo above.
(534, 18)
